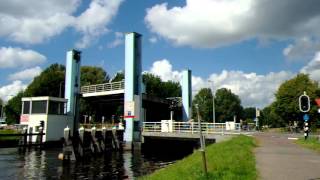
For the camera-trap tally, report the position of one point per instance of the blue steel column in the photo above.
(133, 81)
(72, 86)
(186, 95)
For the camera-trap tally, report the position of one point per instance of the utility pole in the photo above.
(202, 143)
(213, 108)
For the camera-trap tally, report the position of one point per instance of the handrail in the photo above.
(189, 127)
(102, 87)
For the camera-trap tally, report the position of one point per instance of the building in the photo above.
(48, 112)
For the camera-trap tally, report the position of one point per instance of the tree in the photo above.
(118, 77)
(48, 83)
(1, 106)
(93, 75)
(227, 105)
(13, 109)
(156, 87)
(204, 100)
(286, 104)
(270, 117)
(249, 113)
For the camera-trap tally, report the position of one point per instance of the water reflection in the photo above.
(44, 164)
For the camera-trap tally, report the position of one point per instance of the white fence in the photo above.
(102, 87)
(190, 127)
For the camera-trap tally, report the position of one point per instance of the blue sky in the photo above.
(247, 46)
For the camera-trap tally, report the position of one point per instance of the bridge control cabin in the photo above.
(48, 112)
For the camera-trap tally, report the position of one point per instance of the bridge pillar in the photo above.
(133, 89)
(72, 87)
(186, 95)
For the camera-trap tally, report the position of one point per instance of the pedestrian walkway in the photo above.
(280, 158)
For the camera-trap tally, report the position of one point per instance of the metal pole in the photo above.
(213, 108)
(202, 149)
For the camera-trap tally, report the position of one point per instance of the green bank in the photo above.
(311, 143)
(232, 159)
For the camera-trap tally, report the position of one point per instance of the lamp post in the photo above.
(213, 109)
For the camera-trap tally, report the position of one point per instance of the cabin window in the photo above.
(39, 107)
(26, 107)
(56, 107)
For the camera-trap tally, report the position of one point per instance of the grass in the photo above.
(233, 159)
(311, 143)
(8, 131)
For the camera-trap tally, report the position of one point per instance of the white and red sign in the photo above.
(24, 118)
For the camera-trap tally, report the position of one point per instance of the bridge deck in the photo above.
(103, 89)
(186, 136)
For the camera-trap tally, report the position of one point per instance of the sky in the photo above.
(248, 46)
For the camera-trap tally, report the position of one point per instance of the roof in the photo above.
(44, 98)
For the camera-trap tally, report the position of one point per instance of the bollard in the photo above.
(93, 138)
(23, 139)
(30, 136)
(68, 152)
(81, 136)
(66, 134)
(40, 137)
(103, 146)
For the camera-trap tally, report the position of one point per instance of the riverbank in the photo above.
(232, 159)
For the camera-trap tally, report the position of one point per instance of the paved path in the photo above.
(280, 158)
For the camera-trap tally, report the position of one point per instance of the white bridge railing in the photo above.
(102, 87)
(190, 127)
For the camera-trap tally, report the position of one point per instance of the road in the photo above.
(280, 158)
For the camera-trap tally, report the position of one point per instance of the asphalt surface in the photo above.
(280, 158)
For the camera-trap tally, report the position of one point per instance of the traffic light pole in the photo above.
(304, 106)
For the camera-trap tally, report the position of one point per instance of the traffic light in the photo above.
(42, 124)
(76, 55)
(304, 103)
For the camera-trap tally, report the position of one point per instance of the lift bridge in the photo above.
(166, 129)
(142, 112)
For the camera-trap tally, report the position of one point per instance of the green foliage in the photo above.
(93, 75)
(204, 101)
(156, 87)
(227, 105)
(118, 77)
(13, 109)
(249, 113)
(48, 82)
(286, 105)
(233, 159)
(270, 117)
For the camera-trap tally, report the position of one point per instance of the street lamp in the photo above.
(213, 109)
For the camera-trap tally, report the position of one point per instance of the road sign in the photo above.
(318, 101)
(306, 117)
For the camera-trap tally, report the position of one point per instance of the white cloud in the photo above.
(10, 90)
(253, 89)
(117, 41)
(33, 21)
(153, 39)
(313, 67)
(163, 69)
(92, 22)
(16, 57)
(215, 23)
(26, 74)
(302, 47)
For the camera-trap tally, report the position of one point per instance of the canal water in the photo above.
(44, 164)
